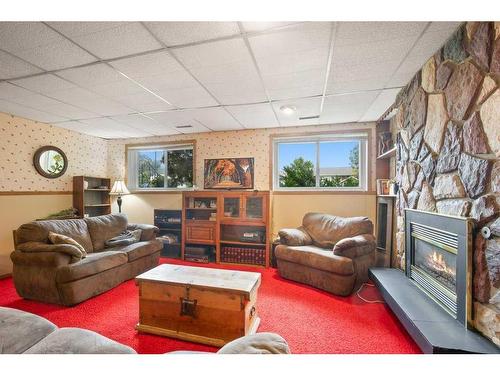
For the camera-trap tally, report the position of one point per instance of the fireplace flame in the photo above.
(438, 262)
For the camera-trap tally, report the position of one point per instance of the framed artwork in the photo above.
(237, 173)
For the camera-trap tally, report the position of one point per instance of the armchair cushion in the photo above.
(149, 232)
(356, 246)
(326, 230)
(315, 257)
(39, 247)
(294, 237)
(57, 239)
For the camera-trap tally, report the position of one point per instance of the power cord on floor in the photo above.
(363, 299)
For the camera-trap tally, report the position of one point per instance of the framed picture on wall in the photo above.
(235, 173)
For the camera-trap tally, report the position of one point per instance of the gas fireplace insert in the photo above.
(438, 259)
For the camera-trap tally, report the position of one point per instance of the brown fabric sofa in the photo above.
(328, 252)
(58, 273)
(23, 332)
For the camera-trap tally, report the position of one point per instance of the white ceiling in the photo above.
(133, 79)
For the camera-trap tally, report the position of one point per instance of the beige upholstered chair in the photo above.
(328, 252)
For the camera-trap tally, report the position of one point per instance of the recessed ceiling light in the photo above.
(288, 109)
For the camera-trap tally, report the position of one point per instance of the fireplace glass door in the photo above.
(438, 263)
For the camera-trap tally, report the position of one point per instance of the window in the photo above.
(161, 167)
(326, 162)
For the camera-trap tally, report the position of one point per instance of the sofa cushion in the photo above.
(56, 239)
(78, 341)
(94, 263)
(315, 257)
(140, 249)
(105, 227)
(38, 231)
(326, 230)
(21, 330)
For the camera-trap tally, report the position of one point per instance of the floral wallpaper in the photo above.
(20, 138)
(254, 143)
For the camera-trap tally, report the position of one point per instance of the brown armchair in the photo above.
(328, 252)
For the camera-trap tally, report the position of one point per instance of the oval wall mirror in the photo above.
(50, 161)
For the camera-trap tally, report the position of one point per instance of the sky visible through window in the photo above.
(332, 154)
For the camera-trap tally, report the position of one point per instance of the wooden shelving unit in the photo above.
(92, 200)
(234, 226)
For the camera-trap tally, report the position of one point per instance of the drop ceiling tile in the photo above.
(91, 102)
(69, 111)
(356, 33)
(300, 84)
(254, 115)
(173, 119)
(176, 33)
(216, 119)
(92, 130)
(114, 128)
(18, 36)
(12, 67)
(58, 55)
(305, 108)
(92, 75)
(346, 108)
(143, 102)
(116, 89)
(44, 83)
(226, 69)
(36, 101)
(383, 101)
(151, 64)
(120, 41)
(41, 46)
(145, 123)
(262, 26)
(74, 29)
(189, 97)
(28, 113)
(10, 91)
(293, 61)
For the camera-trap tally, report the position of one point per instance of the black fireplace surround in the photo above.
(438, 259)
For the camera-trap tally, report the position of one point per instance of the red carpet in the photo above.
(310, 320)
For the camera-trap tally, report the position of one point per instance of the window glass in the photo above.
(297, 164)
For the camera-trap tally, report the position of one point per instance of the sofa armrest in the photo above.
(40, 259)
(354, 247)
(258, 343)
(295, 237)
(39, 247)
(149, 231)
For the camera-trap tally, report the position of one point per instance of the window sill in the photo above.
(322, 192)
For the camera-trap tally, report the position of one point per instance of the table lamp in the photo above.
(119, 189)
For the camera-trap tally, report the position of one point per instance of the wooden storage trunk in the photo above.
(197, 304)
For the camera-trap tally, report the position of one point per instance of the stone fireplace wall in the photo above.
(447, 131)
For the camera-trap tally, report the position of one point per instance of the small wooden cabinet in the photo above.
(236, 224)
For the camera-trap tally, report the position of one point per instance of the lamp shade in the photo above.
(119, 188)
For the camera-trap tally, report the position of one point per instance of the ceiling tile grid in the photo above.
(132, 79)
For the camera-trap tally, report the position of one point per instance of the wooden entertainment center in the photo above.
(226, 227)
